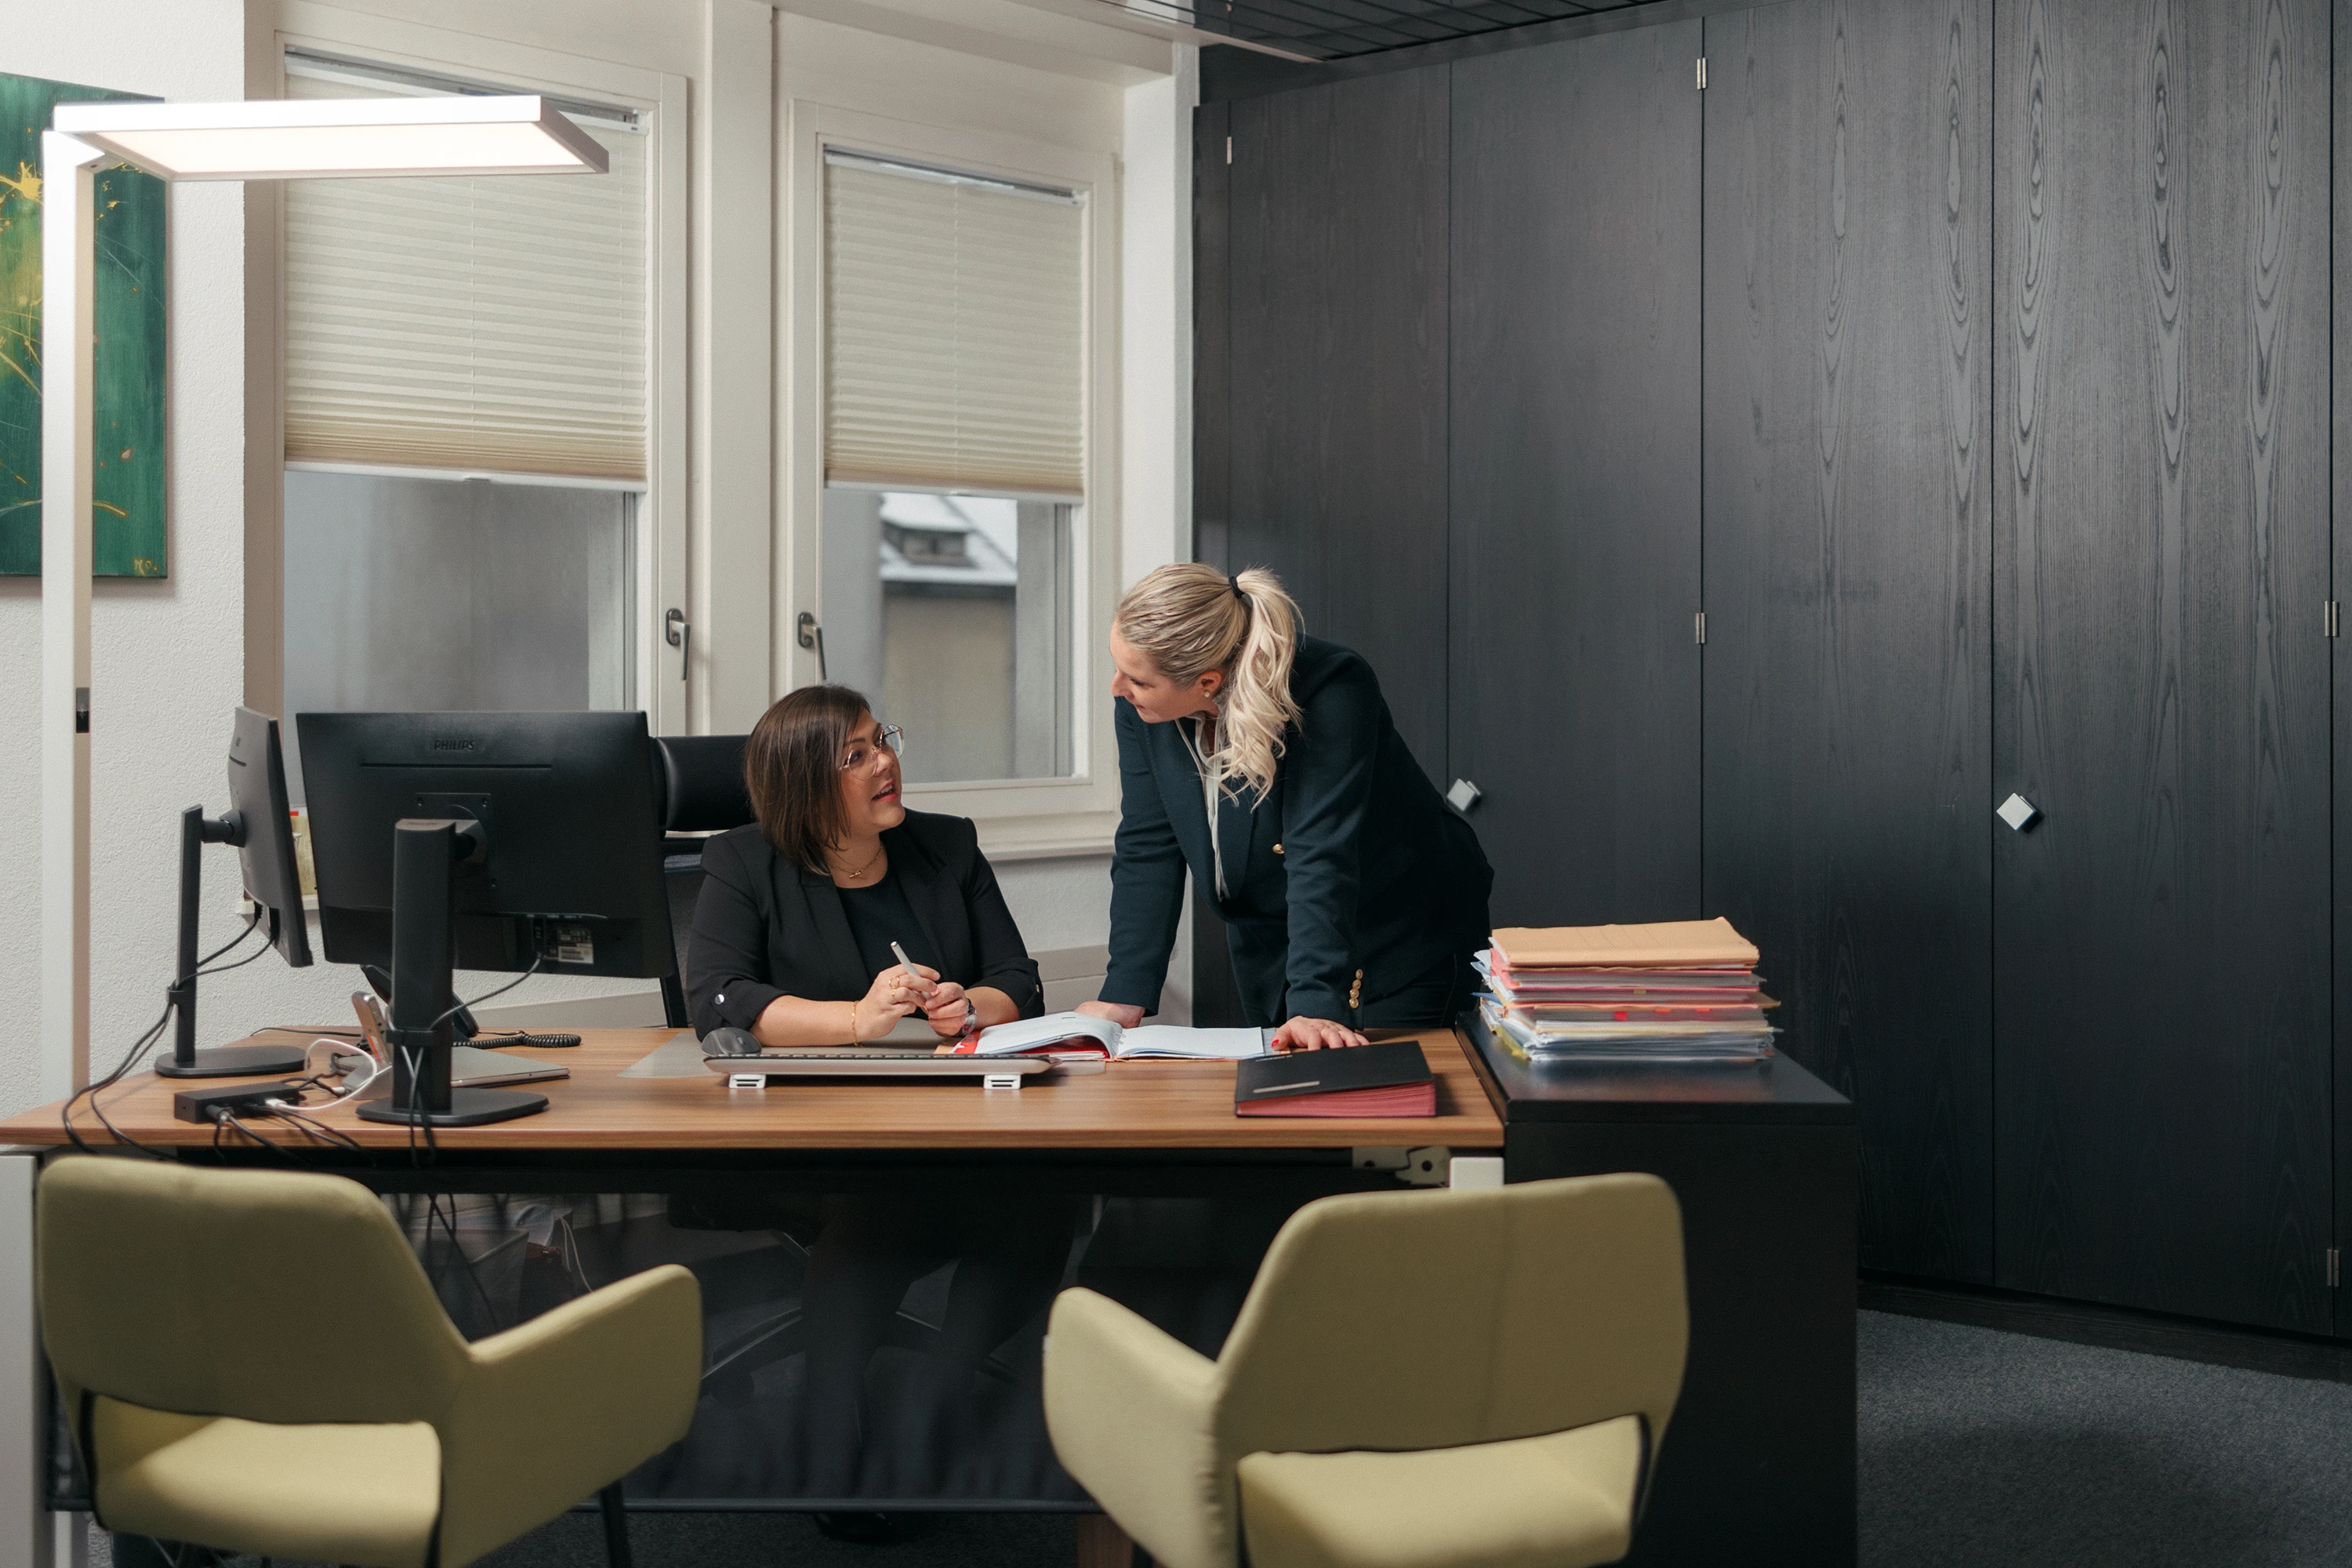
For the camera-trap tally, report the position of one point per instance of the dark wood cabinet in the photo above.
(2160, 530)
(1970, 365)
(1321, 294)
(2340, 393)
(1574, 552)
(1848, 746)
(1336, 289)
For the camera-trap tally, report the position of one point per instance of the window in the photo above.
(407, 593)
(954, 459)
(467, 425)
(952, 614)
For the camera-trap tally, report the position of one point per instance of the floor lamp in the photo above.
(271, 140)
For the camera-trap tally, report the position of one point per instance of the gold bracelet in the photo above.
(853, 1023)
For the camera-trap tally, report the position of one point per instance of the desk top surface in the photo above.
(1128, 1105)
(1778, 1091)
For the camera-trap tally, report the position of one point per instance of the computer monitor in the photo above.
(261, 828)
(571, 870)
(553, 860)
(264, 855)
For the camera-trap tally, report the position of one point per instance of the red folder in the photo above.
(1397, 1100)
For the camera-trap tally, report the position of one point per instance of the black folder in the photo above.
(1390, 1077)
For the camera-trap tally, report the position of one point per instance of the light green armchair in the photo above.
(1473, 1379)
(254, 1361)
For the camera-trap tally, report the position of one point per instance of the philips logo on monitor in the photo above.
(453, 743)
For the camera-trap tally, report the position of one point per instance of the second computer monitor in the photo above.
(266, 860)
(570, 872)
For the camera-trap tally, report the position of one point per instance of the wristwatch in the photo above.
(970, 1017)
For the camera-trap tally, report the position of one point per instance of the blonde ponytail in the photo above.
(1188, 619)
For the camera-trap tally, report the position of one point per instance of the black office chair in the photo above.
(700, 791)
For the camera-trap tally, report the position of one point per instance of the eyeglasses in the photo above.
(861, 753)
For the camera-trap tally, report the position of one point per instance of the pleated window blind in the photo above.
(955, 332)
(495, 325)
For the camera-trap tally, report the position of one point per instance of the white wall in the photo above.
(1156, 366)
(168, 665)
(169, 661)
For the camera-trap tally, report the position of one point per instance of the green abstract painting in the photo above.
(127, 458)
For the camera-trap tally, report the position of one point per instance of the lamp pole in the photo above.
(69, 366)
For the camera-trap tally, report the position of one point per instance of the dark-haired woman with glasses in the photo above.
(792, 942)
(791, 937)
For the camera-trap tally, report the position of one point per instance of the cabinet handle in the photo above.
(2019, 812)
(1463, 795)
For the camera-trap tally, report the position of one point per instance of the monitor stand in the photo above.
(423, 852)
(196, 830)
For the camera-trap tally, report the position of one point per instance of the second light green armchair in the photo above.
(1472, 1379)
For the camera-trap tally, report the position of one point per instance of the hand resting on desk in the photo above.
(1315, 1034)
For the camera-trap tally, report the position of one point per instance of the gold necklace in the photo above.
(854, 876)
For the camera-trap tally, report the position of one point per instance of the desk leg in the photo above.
(1103, 1544)
(1757, 1467)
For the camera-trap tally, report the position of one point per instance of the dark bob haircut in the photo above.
(792, 769)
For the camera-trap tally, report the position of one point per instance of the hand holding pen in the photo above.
(898, 991)
(952, 1012)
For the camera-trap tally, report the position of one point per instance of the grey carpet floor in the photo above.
(1978, 1448)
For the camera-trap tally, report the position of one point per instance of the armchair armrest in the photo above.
(1132, 1414)
(556, 1408)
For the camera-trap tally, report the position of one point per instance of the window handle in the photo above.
(812, 635)
(678, 632)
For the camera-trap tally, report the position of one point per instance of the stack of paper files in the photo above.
(1679, 991)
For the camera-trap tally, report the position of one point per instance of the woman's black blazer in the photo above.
(764, 927)
(1352, 866)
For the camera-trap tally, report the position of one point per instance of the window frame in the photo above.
(663, 523)
(1075, 814)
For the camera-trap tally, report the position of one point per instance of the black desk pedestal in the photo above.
(1758, 1464)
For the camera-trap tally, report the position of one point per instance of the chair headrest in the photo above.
(702, 783)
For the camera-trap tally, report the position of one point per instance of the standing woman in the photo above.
(1266, 761)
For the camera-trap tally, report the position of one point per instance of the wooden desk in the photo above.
(1758, 1464)
(1163, 1198)
(1128, 1106)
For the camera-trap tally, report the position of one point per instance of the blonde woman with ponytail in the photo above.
(1264, 761)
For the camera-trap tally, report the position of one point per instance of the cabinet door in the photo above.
(1848, 566)
(1335, 232)
(2340, 649)
(1575, 540)
(2161, 684)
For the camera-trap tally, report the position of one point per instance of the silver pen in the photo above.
(971, 1013)
(906, 964)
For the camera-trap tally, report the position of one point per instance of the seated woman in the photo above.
(791, 937)
(792, 942)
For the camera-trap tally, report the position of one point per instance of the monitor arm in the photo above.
(196, 830)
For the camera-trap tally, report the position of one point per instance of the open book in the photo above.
(1082, 1033)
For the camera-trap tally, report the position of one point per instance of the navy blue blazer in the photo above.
(1352, 863)
(763, 928)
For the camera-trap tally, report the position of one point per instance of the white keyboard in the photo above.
(874, 1064)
